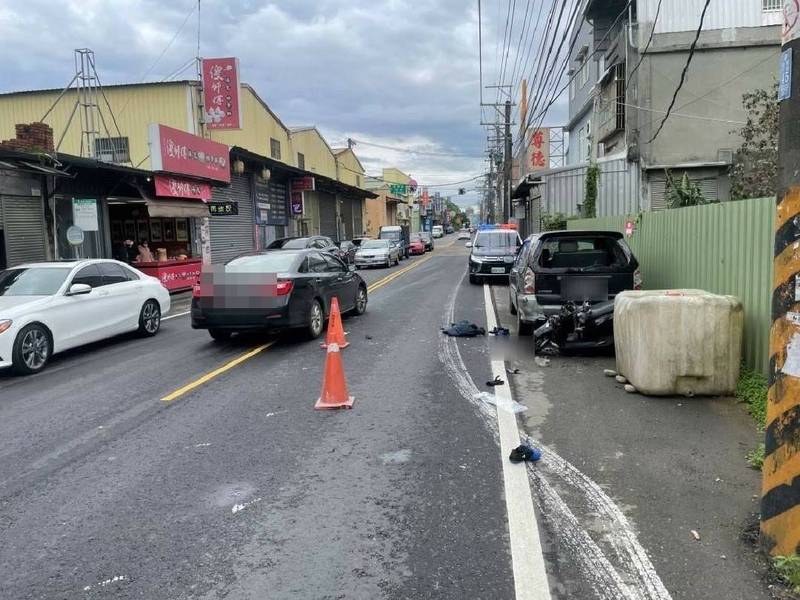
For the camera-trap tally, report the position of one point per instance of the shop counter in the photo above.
(174, 274)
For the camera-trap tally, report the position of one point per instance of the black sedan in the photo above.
(275, 290)
(320, 242)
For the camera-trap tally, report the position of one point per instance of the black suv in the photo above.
(557, 267)
(493, 254)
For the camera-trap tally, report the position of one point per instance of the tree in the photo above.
(754, 173)
(590, 197)
(685, 193)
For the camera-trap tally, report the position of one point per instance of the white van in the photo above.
(437, 231)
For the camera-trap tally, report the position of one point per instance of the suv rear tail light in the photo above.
(284, 287)
(637, 279)
(529, 281)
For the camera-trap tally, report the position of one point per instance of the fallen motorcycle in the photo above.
(575, 328)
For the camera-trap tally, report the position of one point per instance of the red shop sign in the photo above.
(221, 93)
(303, 184)
(177, 151)
(176, 187)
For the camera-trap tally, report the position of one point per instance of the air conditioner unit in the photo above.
(601, 150)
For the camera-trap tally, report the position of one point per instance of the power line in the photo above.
(647, 46)
(683, 73)
(410, 151)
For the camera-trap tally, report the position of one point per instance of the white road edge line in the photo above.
(168, 317)
(527, 557)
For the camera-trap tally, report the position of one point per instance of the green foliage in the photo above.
(754, 173)
(752, 390)
(590, 197)
(554, 222)
(756, 457)
(788, 568)
(685, 193)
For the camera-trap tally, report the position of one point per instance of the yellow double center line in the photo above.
(259, 349)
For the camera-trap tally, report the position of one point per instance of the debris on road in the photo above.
(609, 372)
(621, 379)
(501, 403)
(499, 331)
(495, 382)
(513, 371)
(695, 535)
(525, 453)
(542, 361)
(464, 329)
(630, 388)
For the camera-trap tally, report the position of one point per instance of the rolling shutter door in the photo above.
(347, 218)
(232, 235)
(358, 225)
(23, 225)
(327, 215)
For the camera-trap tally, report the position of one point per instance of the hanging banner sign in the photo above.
(221, 93)
(539, 151)
(303, 184)
(297, 203)
(176, 151)
(175, 187)
(785, 78)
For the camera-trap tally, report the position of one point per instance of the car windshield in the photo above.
(374, 244)
(297, 244)
(585, 253)
(42, 281)
(425, 235)
(271, 262)
(390, 235)
(497, 239)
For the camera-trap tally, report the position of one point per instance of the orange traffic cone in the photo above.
(335, 333)
(334, 387)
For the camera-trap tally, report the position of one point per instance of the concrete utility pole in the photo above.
(507, 184)
(780, 500)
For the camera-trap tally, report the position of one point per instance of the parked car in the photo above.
(374, 253)
(46, 308)
(417, 245)
(290, 289)
(320, 242)
(428, 239)
(493, 253)
(557, 267)
(464, 234)
(448, 230)
(437, 231)
(348, 248)
(398, 235)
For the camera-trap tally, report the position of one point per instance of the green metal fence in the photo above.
(722, 248)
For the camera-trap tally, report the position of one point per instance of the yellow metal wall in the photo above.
(318, 156)
(134, 107)
(258, 126)
(349, 170)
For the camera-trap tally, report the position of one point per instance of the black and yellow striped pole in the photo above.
(780, 502)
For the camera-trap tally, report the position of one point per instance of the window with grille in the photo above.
(274, 148)
(112, 150)
(301, 160)
(772, 5)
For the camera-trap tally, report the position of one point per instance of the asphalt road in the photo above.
(236, 488)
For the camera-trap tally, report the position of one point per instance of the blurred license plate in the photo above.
(498, 270)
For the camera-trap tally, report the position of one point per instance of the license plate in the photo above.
(498, 270)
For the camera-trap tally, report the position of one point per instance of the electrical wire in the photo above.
(647, 46)
(409, 151)
(684, 72)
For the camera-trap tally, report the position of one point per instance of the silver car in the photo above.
(377, 253)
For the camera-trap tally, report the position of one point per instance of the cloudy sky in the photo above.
(397, 73)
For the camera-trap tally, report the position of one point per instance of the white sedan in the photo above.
(464, 234)
(50, 307)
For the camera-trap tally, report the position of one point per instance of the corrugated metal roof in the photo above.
(105, 86)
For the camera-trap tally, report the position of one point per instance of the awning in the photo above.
(177, 208)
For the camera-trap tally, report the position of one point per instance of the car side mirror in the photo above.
(351, 268)
(468, 245)
(78, 289)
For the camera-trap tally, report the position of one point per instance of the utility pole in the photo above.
(780, 499)
(490, 192)
(507, 184)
